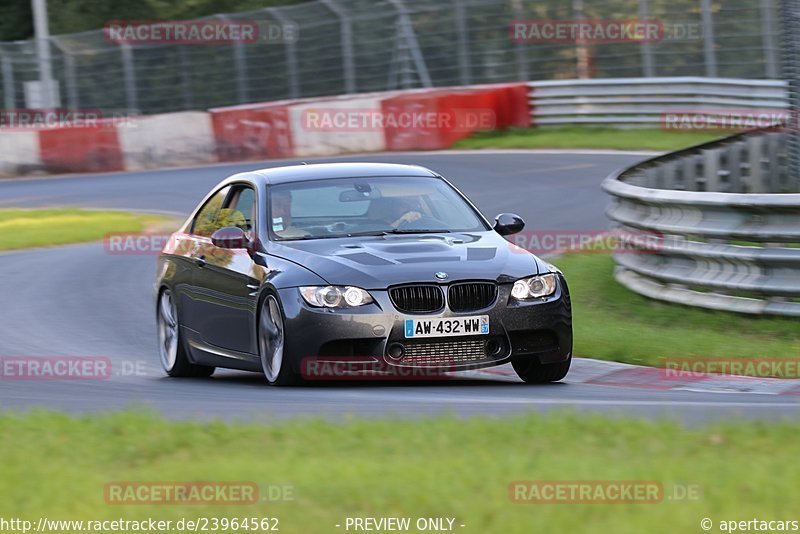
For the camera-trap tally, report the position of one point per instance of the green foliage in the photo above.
(70, 16)
(16, 20)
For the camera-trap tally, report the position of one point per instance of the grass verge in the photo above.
(613, 323)
(49, 227)
(586, 137)
(57, 467)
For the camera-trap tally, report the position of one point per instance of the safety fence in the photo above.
(331, 47)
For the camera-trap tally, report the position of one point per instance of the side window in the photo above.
(205, 222)
(239, 210)
(244, 209)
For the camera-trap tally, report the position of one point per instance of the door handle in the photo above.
(200, 261)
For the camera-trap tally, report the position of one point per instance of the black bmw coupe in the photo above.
(381, 266)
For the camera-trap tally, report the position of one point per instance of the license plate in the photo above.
(447, 326)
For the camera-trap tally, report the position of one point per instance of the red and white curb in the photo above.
(603, 373)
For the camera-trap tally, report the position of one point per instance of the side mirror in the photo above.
(230, 237)
(508, 223)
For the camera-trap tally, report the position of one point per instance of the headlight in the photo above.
(534, 287)
(335, 296)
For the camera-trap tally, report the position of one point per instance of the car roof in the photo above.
(327, 171)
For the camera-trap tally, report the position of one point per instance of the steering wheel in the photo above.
(422, 223)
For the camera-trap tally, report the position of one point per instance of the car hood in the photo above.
(382, 261)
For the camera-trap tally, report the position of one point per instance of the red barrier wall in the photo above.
(465, 111)
(513, 106)
(81, 149)
(253, 132)
(264, 131)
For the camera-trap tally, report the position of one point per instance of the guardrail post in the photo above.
(733, 168)
(700, 172)
(755, 177)
(769, 158)
(711, 170)
(694, 180)
(668, 177)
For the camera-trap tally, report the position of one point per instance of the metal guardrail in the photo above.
(647, 101)
(726, 216)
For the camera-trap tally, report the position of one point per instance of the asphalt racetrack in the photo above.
(80, 301)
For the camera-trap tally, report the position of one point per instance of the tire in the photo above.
(271, 342)
(533, 372)
(172, 352)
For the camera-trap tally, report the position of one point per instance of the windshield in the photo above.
(368, 206)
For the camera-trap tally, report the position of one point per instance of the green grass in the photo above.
(613, 323)
(586, 137)
(49, 227)
(57, 466)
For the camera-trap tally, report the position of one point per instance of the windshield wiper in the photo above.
(414, 231)
(378, 233)
(371, 233)
(306, 238)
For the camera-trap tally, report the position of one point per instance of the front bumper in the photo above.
(540, 329)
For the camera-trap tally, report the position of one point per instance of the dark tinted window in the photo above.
(206, 221)
(244, 209)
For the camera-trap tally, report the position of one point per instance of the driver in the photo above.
(402, 211)
(282, 215)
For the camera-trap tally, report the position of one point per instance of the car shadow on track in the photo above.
(258, 380)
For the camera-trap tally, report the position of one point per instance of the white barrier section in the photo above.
(173, 139)
(331, 127)
(19, 151)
